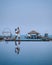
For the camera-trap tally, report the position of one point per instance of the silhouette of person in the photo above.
(17, 31)
(17, 37)
(17, 49)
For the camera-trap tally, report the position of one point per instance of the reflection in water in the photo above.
(17, 49)
(17, 44)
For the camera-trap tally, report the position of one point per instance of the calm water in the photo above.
(27, 53)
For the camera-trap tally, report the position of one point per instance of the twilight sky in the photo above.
(27, 14)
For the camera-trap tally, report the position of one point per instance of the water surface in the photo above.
(29, 53)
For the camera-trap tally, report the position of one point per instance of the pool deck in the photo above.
(23, 38)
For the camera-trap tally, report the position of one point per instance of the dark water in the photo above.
(27, 53)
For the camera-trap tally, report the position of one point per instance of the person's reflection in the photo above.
(17, 49)
(15, 42)
(19, 41)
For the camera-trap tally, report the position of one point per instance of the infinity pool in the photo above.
(25, 53)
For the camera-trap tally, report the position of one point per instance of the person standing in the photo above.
(17, 31)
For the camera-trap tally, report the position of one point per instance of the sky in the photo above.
(26, 14)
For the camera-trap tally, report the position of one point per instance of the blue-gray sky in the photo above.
(27, 14)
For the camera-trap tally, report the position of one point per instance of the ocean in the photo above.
(25, 53)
